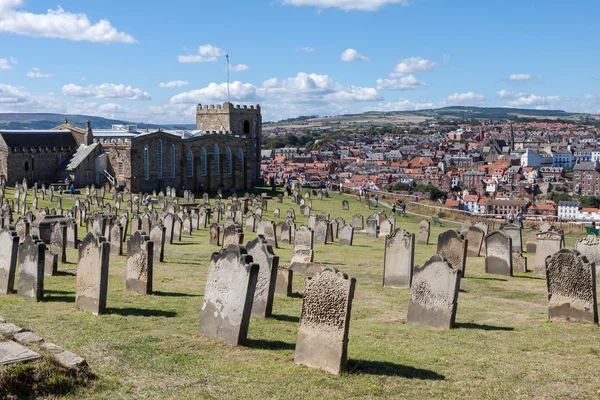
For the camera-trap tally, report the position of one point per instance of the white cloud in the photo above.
(238, 91)
(106, 91)
(7, 63)
(172, 84)
(206, 53)
(506, 94)
(347, 5)
(12, 94)
(57, 23)
(239, 68)
(351, 55)
(532, 100)
(403, 105)
(35, 73)
(408, 82)
(520, 77)
(447, 57)
(466, 99)
(305, 49)
(412, 64)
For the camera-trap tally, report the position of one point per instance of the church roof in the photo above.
(37, 138)
(71, 163)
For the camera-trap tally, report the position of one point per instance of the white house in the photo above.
(589, 214)
(530, 159)
(568, 210)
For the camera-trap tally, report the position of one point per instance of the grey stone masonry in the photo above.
(262, 254)
(92, 274)
(324, 322)
(229, 295)
(434, 294)
(140, 257)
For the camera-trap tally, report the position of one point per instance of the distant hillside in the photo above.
(48, 121)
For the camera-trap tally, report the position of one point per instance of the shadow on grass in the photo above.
(487, 279)
(462, 291)
(469, 325)
(174, 294)
(58, 299)
(270, 344)
(140, 312)
(384, 368)
(66, 272)
(296, 295)
(286, 318)
(534, 277)
(182, 243)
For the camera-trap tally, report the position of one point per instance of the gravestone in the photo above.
(358, 222)
(9, 251)
(320, 236)
(251, 223)
(303, 249)
(72, 239)
(548, 243)
(31, 260)
(398, 258)
(140, 259)
(571, 284)
(546, 227)
(268, 228)
(434, 294)
(345, 205)
(453, 247)
(371, 227)
(177, 228)
(276, 213)
(519, 262)
(589, 247)
(474, 236)
(346, 235)
(531, 240)
(262, 254)
(215, 233)
(168, 222)
(158, 237)
(186, 225)
(232, 234)
(92, 274)
(324, 323)
(498, 254)
(424, 230)
(514, 231)
(385, 229)
(229, 295)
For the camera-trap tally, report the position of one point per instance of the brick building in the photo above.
(586, 179)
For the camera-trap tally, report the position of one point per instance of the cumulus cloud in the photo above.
(206, 53)
(35, 73)
(412, 64)
(464, 99)
(239, 68)
(532, 100)
(7, 63)
(58, 24)
(172, 84)
(106, 91)
(305, 49)
(351, 55)
(347, 5)
(520, 77)
(403, 105)
(408, 82)
(507, 94)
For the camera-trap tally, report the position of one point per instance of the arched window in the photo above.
(26, 166)
(246, 127)
(241, 159)
(190, 163)
(229, 161)
(203, 166)
(146, 166)
(159, 158)
(216, 159)
(173, 155)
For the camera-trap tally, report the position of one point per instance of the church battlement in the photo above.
(227, 107)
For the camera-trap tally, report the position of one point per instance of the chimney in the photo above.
(89, 136)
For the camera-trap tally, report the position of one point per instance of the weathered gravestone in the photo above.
(434, 294)
(232, 234)
(453, 247)
(262, 254)
(589, 247)
(187, 224)
(158, 237)
(345, 205)
(9, 249)
(398, 259)
(229, 295)
(268, 229)
(423, 232)
(571, 287)
(548, 243)
(303, 249)
(116, 239)
(31, 268)
(282, 233)
(372, 226)
(215, 234)
(324, 322)
(474, 236)
(177, 228)
(531, 240)
(514, 231)
(251, 223)
(72, 240)
(92, 274)
(546, 227)
(385, 229)
(358, 222)
(346, 235)
(519, 262)
(498, 254)
(321, 228)
(140, 257)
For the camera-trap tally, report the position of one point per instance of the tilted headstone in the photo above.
(545, 227)
(514, 231)
(498, 254)
(214, 235)
(229, 295)
(324, 323)
(531, 240)
(571, 284)
(474, 236)
(31, 262)
(424, 230)
(589, 247)
(398, 259)
(346, 235)
(434, 294)
(268, 228)
(140, 258)
(92, 274)
(453, 247)
(548, 243)
(9, 250)
(58, 241)
(262, 254)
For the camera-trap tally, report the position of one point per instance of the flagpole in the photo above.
(227, 57)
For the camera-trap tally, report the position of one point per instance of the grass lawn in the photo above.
(147, 346)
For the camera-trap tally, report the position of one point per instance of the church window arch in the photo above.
(229, 160)
(246, 127)
(159, 158)
(240, 155)
(26, 166)
(216, 160)
(190, 163)
(146, 166)
(173, 156)
(203, 166)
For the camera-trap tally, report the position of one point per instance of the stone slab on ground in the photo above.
(27, 337)
(9, 329)
(12, 352)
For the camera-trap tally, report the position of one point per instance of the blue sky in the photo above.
(153, 61)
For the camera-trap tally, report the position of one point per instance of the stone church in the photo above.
(222, 153)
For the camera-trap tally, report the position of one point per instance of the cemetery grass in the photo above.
(148, 347)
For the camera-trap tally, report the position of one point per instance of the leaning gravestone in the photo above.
(514, 231)
(140, 259)
(498, 254)
(571, 287)
(434, 294)
(474, 236)
(31, 268)
(158, 237)
(531, 240)
(548, 243)
(92, 274)
(229, 295)
(262, 254)
(9, 250)
(423, 232)
(324, 323)
(269, 232)
(398, 259)
(453, 247)
(358, 222)
(346, 235)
